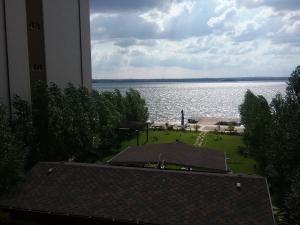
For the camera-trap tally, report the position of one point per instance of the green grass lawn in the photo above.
(155, 137)
(225, 143)
(228, 144)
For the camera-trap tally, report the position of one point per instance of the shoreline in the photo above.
(203, 124)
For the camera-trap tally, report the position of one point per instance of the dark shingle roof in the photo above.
(174, 153)
(144, 195)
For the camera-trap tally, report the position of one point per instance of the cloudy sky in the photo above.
(194, 38)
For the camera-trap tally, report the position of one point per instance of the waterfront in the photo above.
(165, 100)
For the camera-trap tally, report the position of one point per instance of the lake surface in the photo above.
(166, 100)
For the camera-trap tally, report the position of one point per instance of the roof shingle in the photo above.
(173, 153)
(144, 195)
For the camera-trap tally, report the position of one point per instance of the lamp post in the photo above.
(137, 137)
(147, 131)
(182, 118)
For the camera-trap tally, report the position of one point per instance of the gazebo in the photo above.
(176, 154)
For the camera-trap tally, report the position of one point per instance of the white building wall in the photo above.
(86, 43)
(3, 69)
(63, 50)
(63, 46)
(17, 48)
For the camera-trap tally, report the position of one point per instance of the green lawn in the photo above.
(228, 144)
(186, 137)
(155, 137)
(225, 143)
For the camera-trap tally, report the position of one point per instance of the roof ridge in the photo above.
(174, 143)
(152, 170)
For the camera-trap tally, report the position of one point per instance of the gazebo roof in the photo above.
(172, 153)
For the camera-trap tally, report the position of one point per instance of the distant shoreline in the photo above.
(192, 80)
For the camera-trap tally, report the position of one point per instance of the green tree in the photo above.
(284, 153)
(272, 134)
(22, 127)
(256, 117)
(12, 153)
(72, 123)
(292, 201)
(293, 88)
(136, 109)
(40, 100)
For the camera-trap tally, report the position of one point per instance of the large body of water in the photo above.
(166, 100)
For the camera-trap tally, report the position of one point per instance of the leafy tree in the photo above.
(63, 124)
(120, 104)
(293, 88)
(277, 136)
(136, 109)
(284, 149)
(12, 153)
(40, 100)
(22, 127)
(292, 202)
(78, 134)
(73, 123)
(256, 117)
(57, 128)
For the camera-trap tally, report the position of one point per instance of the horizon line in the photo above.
(266, 78)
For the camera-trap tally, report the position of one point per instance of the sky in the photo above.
(147, 39)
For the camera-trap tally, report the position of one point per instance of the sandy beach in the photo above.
(204, 124)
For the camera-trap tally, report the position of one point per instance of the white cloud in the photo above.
(259, 20)
(196, 38)
(162, 18)
(291, 22)
(215, 21)
(275, 4)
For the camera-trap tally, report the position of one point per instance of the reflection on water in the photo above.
(165, 100)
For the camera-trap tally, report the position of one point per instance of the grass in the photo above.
(155, 137)
(186, 137)
(228, 144)
(224, 143)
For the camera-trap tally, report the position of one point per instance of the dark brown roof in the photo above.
(143, 195)
(173, 153)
